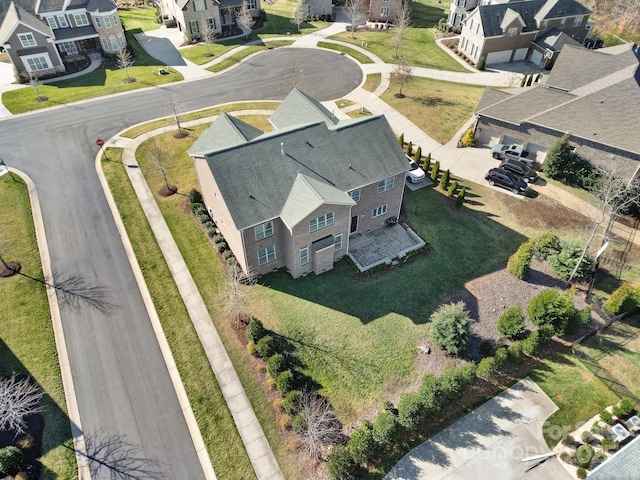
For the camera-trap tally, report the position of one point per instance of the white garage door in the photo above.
(487, 137)
(520, 54)
(498, 57)
(536, 57)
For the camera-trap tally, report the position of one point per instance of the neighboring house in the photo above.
(459, 10)
(383, 10)
(291, 197)
(533, 30)
(191, 15)
(318, 7)
(44, 38)
(592, 95)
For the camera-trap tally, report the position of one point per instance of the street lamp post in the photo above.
(2, 164)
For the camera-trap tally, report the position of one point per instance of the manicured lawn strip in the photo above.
(419, 48)
(214, 419)
(143, 19)
(196, 53)
(27, 343)
(349, 51)
(439, 108)
(232, 107)
(236, 57)
(97, 83)
(279, 15)
(426, 13)
(372, 82)
(574, 389)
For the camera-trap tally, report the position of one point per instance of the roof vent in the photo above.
(282, 148)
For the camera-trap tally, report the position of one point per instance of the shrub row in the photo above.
(625, 299)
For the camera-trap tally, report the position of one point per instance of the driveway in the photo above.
(490, 442)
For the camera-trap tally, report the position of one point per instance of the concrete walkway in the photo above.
(489, 443)
(251, 433)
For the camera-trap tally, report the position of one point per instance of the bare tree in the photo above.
(355, 10)
(113, 457)
(72, 291)
(401, 75)
(19, 398)
(34, 81)
(403, 20)
(321, 427)
(125, 61)
(243, 14)
(299, 15)
(296, 76)
(237, 295)
(175, 109)
(615, 196)
(208, 34)
(162, 162)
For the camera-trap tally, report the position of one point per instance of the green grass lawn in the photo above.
(419, 48)
(439, 108)
(97, 83)
(426, 13)
(279, 15)
(574, 389)
(27, 343)
(349, 51)
(143, 19)
(245, 52)
(372, 82)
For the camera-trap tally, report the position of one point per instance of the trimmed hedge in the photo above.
(623, 300)
(511, 322)
(519, 263)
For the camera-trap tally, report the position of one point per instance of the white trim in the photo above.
(45, 55)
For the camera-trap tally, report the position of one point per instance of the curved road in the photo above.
(121, 381)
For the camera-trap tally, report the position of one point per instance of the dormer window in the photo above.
(577, 21)
(512, 32)
(27, 40)
(544, 25)
(51, 21)
(81, 19)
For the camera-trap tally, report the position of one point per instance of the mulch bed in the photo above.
(10, 269)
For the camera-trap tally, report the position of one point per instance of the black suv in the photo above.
(520, 169)
(505, 179)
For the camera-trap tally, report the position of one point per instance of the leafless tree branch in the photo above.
(321, 427)
(19, 398)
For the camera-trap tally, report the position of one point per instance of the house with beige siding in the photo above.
(46, 38)
(533, 30)
(292, 197)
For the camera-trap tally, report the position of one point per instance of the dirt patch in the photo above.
(167, 190)
(10, 269)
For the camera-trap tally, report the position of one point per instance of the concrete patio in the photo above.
(382, 246)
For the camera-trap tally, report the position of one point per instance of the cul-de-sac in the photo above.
(319, 239)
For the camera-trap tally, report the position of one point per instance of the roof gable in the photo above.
(298, 108)
(16, 15)
(226, 131)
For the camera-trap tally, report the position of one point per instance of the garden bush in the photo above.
(409, 150)
(608, 444)
(385, 428)
(426, 165)
(211, 231)
(452, 189)
(606, 416)
(194, 207)
(481, 62)
(450, 327)
(361, 444)
(550, 307)
(564, 260)
(418, 155)
(511, 322)
(587, 437)
(519, 263)
(428, 394)
(563, 163)
(410, 411)
(221, 247)
(199, 210)
(195, 196)
(580, 319)
(11, 460)
(451, 383)
(523, 80)
(500, 358)
(623, 300)
(598, 428)
(340, 463)
(583, 455)
(255, 330)
(515, 352)
(460, 199)
(486, 368)
(435, 171)
(546, 244)
(292, 401)
(623, 408)
(285, 382)
(266, 346)
(401, 140)
(204, 217)
(531, 343)
(444, 180)
(468, 138)
(276, 364)
(581, 473)
(566, 458)
(251, 347)
(487, 347)
(569, 441)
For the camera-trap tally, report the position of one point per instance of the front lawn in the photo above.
(143, 19)
(27, 343)
(439, 108)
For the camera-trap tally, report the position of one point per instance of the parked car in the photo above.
(505, 179)
(520, 169)
(511, 152)
(415, 173)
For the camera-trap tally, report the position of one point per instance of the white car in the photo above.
(415, 173)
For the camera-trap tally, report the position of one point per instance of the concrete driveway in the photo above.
(490, 442)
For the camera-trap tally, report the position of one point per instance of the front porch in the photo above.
(382, 246)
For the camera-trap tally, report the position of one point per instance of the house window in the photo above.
(355, 195)
(577, 21)
(35, 63)
(81, 19)
(474, 50)
(68, 47)
(562, 22)
(544, 24)
(512, 32)
(474, 26)
(27, 40)
(123, 42)
(337, 241)
(116, 20)
(198, 5)
(98, 22)
(251, 4)
(212, 23)
(193, 26)
(384, 185)
(465, 42)
(304, 255)
(107, 22)
(52, 22)
(62, 20)
(267, 255)
(320, 222)
(263, 231)
(114, 42)
(379, 211)
(462, 3)
(103, 41)
(384, 11)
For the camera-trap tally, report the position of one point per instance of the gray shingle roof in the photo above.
(298, 108)
(26, 5)
(226, 131)
(623, 465)
(78, 32)
(603, 108)
(101, 6)
(562, 8)
(255, 179)
(50, 6)
(17, 14)
(555, 40)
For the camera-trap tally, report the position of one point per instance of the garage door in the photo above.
(507, 140)
(498, 57)
(520, 54)
(536, 57)
(488, 138)
(536, 152)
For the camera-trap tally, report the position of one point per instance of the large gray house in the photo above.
(293, 196)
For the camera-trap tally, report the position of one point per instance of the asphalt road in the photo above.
(121, 381)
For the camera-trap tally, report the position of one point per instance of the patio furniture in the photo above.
(633, 424)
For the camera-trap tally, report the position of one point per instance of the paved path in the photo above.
(489, 443)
